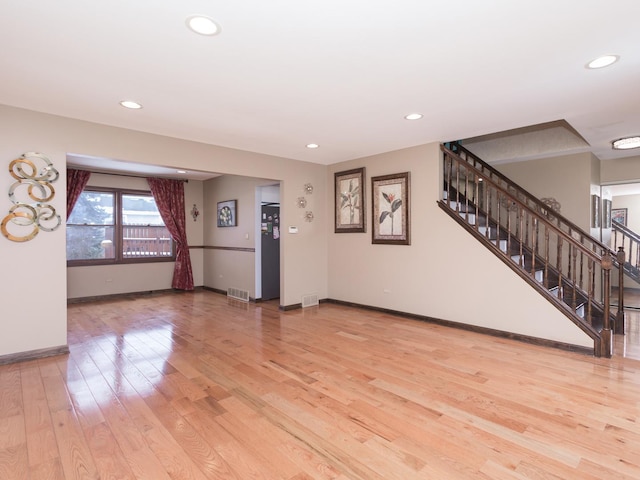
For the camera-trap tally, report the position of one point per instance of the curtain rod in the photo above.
(185, 180)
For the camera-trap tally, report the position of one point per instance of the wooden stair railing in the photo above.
(564, 263)
(629, 241)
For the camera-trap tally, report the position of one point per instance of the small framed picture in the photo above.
(350, 201)
(595, 211)
(390, 222)
(227, 216)
(619, 215)
(606, 213)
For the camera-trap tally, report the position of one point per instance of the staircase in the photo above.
(556, 257)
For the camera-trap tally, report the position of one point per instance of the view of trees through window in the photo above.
(115, 226)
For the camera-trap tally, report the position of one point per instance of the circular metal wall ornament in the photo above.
(308, 216)
(34, 174)
(21, 219)
(308, 188)
(301, 202)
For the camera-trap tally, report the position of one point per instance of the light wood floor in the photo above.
(193, 386)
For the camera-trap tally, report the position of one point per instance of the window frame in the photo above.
(118, 241)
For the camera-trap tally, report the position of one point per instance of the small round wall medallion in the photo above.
(308, 216)
(301, 202)
(308, 188)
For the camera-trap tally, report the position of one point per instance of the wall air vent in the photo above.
(238, 294)
(310, 300)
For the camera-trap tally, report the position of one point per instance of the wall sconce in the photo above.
(195, 212)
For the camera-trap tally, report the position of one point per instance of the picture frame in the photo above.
(350, 201)
(619, 215)
(226, 213)
(595, 211)
(606, 213)
(390, 214)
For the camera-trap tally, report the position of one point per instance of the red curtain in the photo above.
(76, 181)
(169, 197)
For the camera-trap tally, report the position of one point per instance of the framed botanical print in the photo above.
(350, 201)
(390, 222)
(226, 213)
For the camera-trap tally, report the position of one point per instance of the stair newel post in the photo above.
(619, 325)
(606, 339)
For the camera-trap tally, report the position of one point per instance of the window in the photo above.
(117, 226)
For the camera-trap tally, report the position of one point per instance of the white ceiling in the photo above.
(343, 74)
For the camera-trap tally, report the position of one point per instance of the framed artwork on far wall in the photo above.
(619, 215)
(390, 222)
(226, 213)
(606, 213)
(595, 211)
(350, 201)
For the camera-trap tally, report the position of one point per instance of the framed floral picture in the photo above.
(390, 222)
(226, 213)
(350, 201)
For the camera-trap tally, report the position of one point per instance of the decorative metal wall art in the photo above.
(195, 212)
(30, 195)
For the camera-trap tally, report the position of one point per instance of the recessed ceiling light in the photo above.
(312, 145)
(626, 143)
(130, 104)
(203, 25)
(603, 61)
(181, 171)
(413, 116)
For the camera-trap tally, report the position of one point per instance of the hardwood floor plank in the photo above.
(47, 470)
(10, 393)
(14, 463)
(75, 455)
(110, 461)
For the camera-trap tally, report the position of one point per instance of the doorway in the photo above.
(270, 246)
(268, 231)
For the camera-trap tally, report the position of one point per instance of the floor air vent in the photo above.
(238, 294)
(310, 300)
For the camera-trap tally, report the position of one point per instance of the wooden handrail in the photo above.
(526, 194)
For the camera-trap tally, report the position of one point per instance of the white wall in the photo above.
(567, 178)
(445, 273)
(34, 293)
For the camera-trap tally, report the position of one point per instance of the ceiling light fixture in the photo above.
(413, 116)
(203, 25)
(181, 171)
(603, 61)
(131, 104)
(626, 143)
(312, 145)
